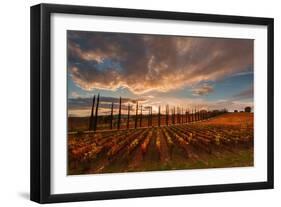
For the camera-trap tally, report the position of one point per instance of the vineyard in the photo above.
(133, 115)
(225, 140)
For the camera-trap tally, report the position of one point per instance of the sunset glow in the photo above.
(156, 70)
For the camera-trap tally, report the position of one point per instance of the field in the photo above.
(222, 141)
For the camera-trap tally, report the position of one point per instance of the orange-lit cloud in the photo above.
(203, 90)
(144, 63)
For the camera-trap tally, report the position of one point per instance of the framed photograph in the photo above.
(133, 103)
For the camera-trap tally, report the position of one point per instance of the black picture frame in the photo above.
(41, 96)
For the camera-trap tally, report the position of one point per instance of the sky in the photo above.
(156, 70)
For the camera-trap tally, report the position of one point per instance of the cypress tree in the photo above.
(136, 118)
(159, 116)
(96, 114)
(128, 118)
(92, 114)
(111, 116)
(119, 114)
(141, 116)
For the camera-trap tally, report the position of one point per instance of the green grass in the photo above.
(241, 158)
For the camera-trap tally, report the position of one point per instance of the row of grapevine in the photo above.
(99, 150)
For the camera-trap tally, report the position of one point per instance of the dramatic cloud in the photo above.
(144, 63)
(202, 90)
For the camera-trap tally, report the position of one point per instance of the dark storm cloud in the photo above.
(152, 62)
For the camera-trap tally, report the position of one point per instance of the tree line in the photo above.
(137, 118)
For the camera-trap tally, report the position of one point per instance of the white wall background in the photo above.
(14, 103)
